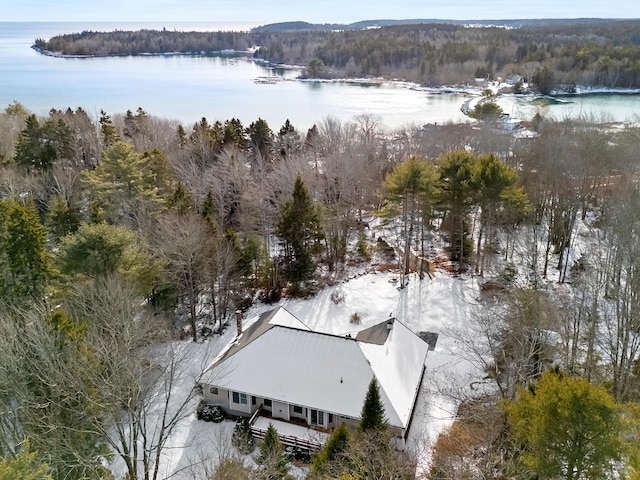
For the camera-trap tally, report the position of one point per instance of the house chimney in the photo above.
(239, 321)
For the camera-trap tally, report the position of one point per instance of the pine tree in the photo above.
(372, 416)
(125, 180)
(286, 129)
(298, 228)
(24, 466)
(100, 249)
(180, 199)
(62, 218)
(107, 130)
(334, 446)
(272, 458)
(261, 137)
(234, 133)
(207, 209)
(570, 427)
(412, 184)
(40, 146)
(458, 174)
(24, 264)
(181, 136)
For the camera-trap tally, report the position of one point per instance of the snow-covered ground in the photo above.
(440, 304)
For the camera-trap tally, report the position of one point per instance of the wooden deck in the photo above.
(292, 434)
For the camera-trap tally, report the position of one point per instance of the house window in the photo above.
(297, 409)
(240, 398)
(317, 417)
(253, 400)
(330, 419)
(213, 390)
(267, 402)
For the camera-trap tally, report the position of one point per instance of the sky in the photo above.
(328, 11)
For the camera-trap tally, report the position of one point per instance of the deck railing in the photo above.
(287, 440)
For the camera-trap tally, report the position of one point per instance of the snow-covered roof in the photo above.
(397, 365)
(280, 358)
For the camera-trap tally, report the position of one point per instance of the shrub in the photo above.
(242, 438)
(363, 248)
(209, 413)
(337, 298)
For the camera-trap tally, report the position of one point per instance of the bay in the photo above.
(186, 88)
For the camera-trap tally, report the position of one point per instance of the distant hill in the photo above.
(365, 24)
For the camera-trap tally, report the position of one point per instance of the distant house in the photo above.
(514, 79)
(305, 383)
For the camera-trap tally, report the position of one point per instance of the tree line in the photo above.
(604, 53)
(121, 232)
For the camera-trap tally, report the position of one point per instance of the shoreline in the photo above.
(213, 53)
(580, 90)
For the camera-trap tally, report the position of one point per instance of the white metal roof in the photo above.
(398, 365)
(326, 372)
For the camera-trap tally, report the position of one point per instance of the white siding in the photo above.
(280, 410)
(243, 403)
(215, 395)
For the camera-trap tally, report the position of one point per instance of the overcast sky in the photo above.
(330, 11)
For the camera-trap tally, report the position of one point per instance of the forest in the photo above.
(555, 56)
(116, 231)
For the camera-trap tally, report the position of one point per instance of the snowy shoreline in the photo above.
(444, 89)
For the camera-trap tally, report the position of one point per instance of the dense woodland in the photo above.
(122, 232)
(557, 56)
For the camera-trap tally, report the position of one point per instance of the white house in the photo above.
(305, 383)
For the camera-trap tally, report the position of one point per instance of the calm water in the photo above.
(186, 88)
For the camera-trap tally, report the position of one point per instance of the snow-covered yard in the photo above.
(439, 305)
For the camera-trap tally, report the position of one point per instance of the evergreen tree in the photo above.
(412, 184)
(298, 228)
(62, 218)
(24, 466)
(107, 130)
(181, 136)
(24, 264)
(288, 139)
(234, 133)
(486, 111)
(544, 79)
(100, 249)
(495, 181)
(337, 443)
(312, 138)
(15, 108)
(286, 129)
(372, 416)
(272, 459)
(457, 185)
(136, 125)
(207, 209)
(40, 146)
(180, 199)
(570, 427)
(260, 137)
(125, 180)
